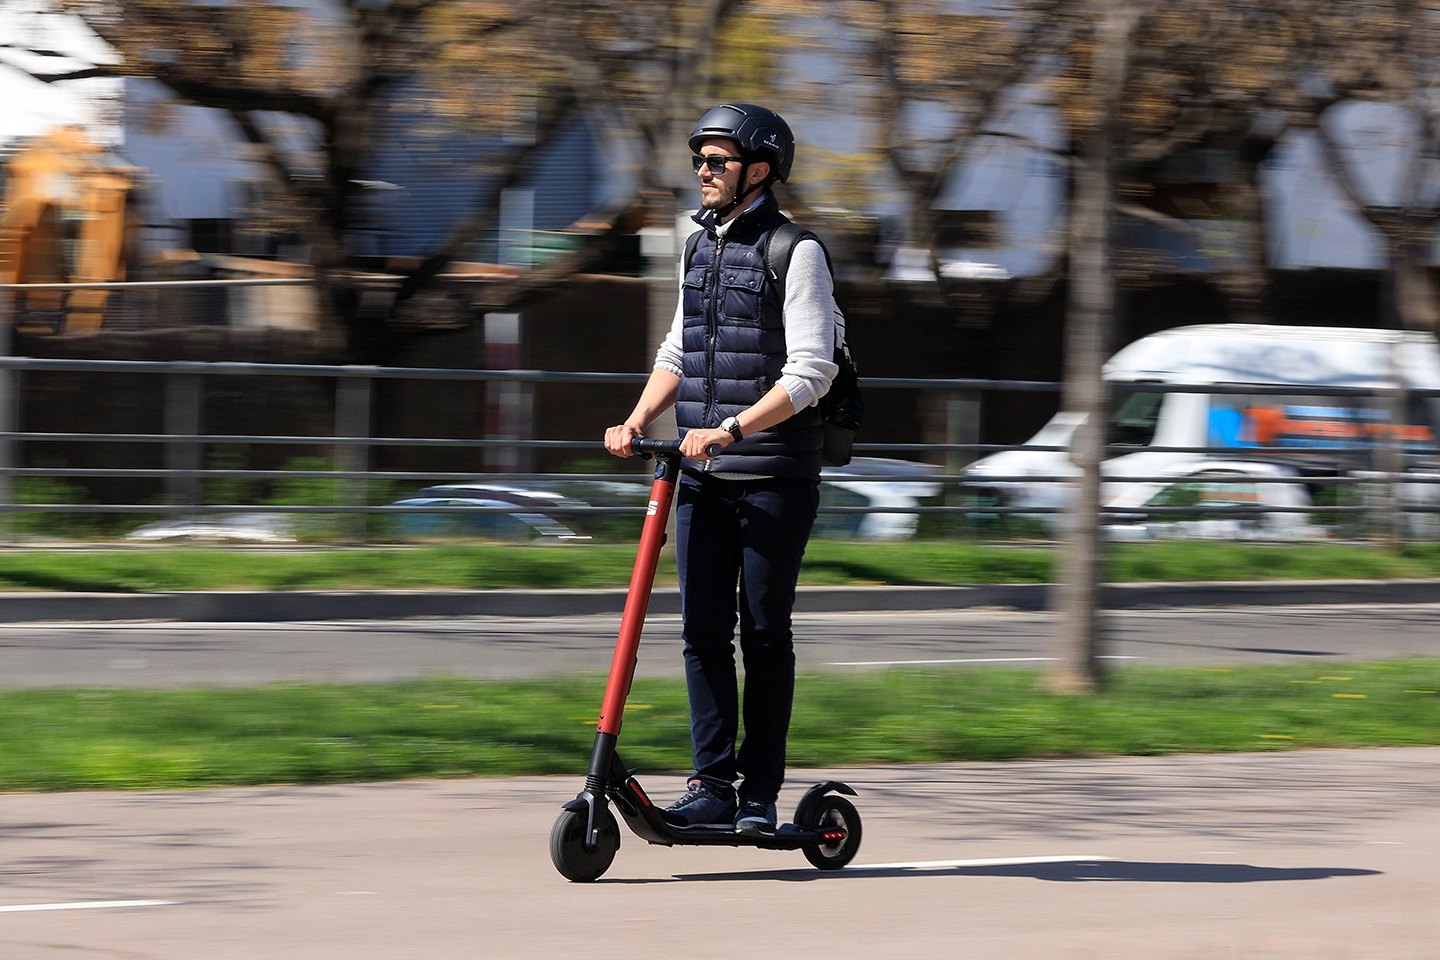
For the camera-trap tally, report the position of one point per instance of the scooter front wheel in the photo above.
(567, 846)
(838, 816)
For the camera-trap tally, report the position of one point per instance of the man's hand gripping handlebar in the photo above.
(646, 448)
(627, 441)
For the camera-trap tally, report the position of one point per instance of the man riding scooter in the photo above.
(744, 369)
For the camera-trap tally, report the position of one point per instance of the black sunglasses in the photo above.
(717, 162)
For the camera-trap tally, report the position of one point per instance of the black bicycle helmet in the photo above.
(758, 130)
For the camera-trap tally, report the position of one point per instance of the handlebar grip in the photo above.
(646, 447)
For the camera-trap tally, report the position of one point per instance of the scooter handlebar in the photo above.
(646, 447)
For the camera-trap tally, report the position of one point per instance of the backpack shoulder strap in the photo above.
(691, 242)
(778, 250)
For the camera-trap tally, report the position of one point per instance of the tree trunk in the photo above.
(1411, 303)
(1244, 284)
(1089, 316)
(1412, 293)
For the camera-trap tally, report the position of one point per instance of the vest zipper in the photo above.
(712, 325)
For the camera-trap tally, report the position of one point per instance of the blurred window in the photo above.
(1134, 423)
(211, 235)
(966, 228)
(1200, 494)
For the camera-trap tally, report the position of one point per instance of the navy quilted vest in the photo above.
(735, 348)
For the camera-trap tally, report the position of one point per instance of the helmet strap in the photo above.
(740, 197)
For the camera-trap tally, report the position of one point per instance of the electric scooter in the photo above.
(585, 837)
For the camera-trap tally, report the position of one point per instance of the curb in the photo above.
(277, 607)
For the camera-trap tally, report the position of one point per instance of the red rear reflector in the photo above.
(834, 835)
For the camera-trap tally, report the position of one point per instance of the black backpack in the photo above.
(843, 408)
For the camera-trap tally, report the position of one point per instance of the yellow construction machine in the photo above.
(66, 219)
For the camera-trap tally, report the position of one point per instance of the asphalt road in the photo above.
(1322, 855)
(168, 654)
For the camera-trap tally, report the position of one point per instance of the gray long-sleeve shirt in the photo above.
(809, 316)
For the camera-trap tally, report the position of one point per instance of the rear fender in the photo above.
(806, 807)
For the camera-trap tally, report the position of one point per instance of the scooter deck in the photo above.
(648, 823)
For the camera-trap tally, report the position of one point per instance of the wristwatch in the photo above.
(732, 426)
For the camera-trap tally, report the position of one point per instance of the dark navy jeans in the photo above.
(751, 533)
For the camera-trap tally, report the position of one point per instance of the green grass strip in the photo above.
(153, 739)
(483, 566)
(833, 562)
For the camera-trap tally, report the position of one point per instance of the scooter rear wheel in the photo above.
(834, 813)
(567, 846)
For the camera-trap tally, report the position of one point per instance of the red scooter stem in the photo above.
(637, 602)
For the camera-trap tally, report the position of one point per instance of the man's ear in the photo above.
(758, 172)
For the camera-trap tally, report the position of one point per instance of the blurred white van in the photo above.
(1284, 425)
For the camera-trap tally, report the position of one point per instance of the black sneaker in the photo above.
(702, 803)
(755, 819)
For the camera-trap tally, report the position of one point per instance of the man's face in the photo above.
(719, 189)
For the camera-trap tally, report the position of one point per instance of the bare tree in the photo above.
(1144, 82)
(645, 69)
(1385, 52)
(308, 85)
(969, 65)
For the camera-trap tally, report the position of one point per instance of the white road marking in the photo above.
(985, 862)
(907, 663)
(904, 663)
(86, 905)
(129, 664)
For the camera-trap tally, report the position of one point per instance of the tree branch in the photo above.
(486, 207)
(1190, 130)
(319, 238)
(38, 51)
(1024, 140)
(88, 73)
(257, 139)
(926, 184)
(240, 97)
(1155, 216)
(1335, 163)
(1032, 47)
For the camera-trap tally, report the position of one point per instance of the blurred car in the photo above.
(240, 527)
(865, 482)
(1209, 485)
(427, 521)
(528, 522)
(878, 483)
(1188, 481)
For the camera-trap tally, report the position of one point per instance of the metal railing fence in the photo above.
(359, 439)
(1377, 469)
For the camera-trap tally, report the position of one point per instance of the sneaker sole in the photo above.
(755, 828)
